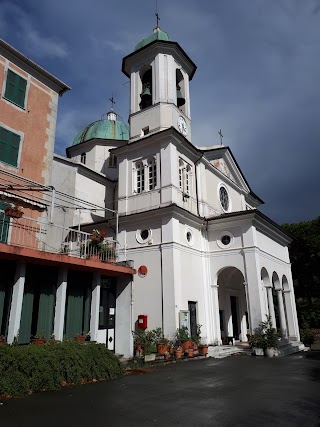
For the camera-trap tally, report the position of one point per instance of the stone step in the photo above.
(222, 351)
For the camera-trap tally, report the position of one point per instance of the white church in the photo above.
(187, 217)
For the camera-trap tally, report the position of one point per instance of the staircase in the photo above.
(221, 351)
(286, 347)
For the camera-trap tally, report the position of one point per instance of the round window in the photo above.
(225, 240)
(144, 234)
(224, 198)
(189, 236)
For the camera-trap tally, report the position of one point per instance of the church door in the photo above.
(234, 315)
(193, 318)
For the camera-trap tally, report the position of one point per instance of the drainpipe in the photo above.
(52, 204)
(195, 169)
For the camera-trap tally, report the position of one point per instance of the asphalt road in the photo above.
(237, 391)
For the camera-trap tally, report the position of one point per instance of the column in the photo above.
(60, 308)
(271, 306)
(215, 299)
(95, 303)
(245, 284)
(282, 315)
(290, 315)
(16, 302)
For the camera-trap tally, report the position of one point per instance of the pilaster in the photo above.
(16, 302)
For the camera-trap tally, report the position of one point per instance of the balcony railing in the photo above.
(31, 233)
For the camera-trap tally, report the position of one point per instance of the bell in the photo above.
(180, 99)
(146, 94)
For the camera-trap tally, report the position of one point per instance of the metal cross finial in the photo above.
(157, 15)
(112, 102)
(221, 136)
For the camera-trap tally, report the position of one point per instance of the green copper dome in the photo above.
(103, 129)
(157, 35)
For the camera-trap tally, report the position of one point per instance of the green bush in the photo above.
(307, 336)
(33, 368)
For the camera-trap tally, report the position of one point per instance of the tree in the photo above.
(305, 258)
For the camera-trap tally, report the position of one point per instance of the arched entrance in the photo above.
(233, 314)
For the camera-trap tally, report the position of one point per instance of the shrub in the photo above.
(307, 336)
(33, 368)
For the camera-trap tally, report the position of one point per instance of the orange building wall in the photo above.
(37, 123)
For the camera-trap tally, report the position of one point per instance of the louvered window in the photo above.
(15, 88)
(9, 146)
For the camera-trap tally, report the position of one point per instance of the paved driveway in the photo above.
(238, 391)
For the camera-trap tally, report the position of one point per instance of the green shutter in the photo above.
(74, 312)
(15, 88)
(9, 146)
(4, 224)
(26, 314)
(46, 309)
(2, 298)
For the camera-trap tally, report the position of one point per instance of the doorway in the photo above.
(107, 311)
(192, 306)
(234, 316)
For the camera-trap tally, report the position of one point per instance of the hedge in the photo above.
(33, 368)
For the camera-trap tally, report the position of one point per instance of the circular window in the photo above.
(189, 237)
(143, 236)
(224, 198)
(225, 240)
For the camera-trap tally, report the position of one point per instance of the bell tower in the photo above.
(159, 72)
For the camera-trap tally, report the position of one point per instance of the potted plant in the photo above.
(178, 352)
(145, 340)
(264, 341)
(183, 336)
(81, 337)
(167, 356)
(160, 341)
(2, 340)
(203, 348)
(14, 212)
(38, 338)
(190, 352)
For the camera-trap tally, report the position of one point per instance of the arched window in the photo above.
(146, 93)
(83, 158)
(180, 90)
(140, 177)
(185, 171)
(152, 170)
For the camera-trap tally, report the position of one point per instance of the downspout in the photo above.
(160, 247)
(197, 197)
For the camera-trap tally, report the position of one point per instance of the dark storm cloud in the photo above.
(257, 79)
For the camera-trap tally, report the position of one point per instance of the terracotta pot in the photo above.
(178, 354)
(166, 357)
(13, 213)
(2, 343)
(80, 338)
(38, 341)
(162, 348)
(171, 350)
(190, 352)
(138, 350)
(186, 345)
(203, 350)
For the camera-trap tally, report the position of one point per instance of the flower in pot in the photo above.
(178, 352)
(38, 338)
(2, 340)
(14, 212)
(183, 336)
(167, 356)
(190, 352)
(143, 340)
(160, 341)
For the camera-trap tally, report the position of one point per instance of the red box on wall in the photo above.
(142, 321)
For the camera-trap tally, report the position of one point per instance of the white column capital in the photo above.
(214, 286)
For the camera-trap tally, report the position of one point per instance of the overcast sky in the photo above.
(257, 78)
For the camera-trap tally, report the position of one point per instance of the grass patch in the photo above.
(28, 369)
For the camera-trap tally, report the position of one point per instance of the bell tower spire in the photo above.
(159, 72)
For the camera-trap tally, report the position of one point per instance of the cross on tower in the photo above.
(221, 136)
(157, 15)
(112, 102)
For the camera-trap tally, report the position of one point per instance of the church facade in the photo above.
(186, 215)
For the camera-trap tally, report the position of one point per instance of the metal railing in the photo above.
(30, 233)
